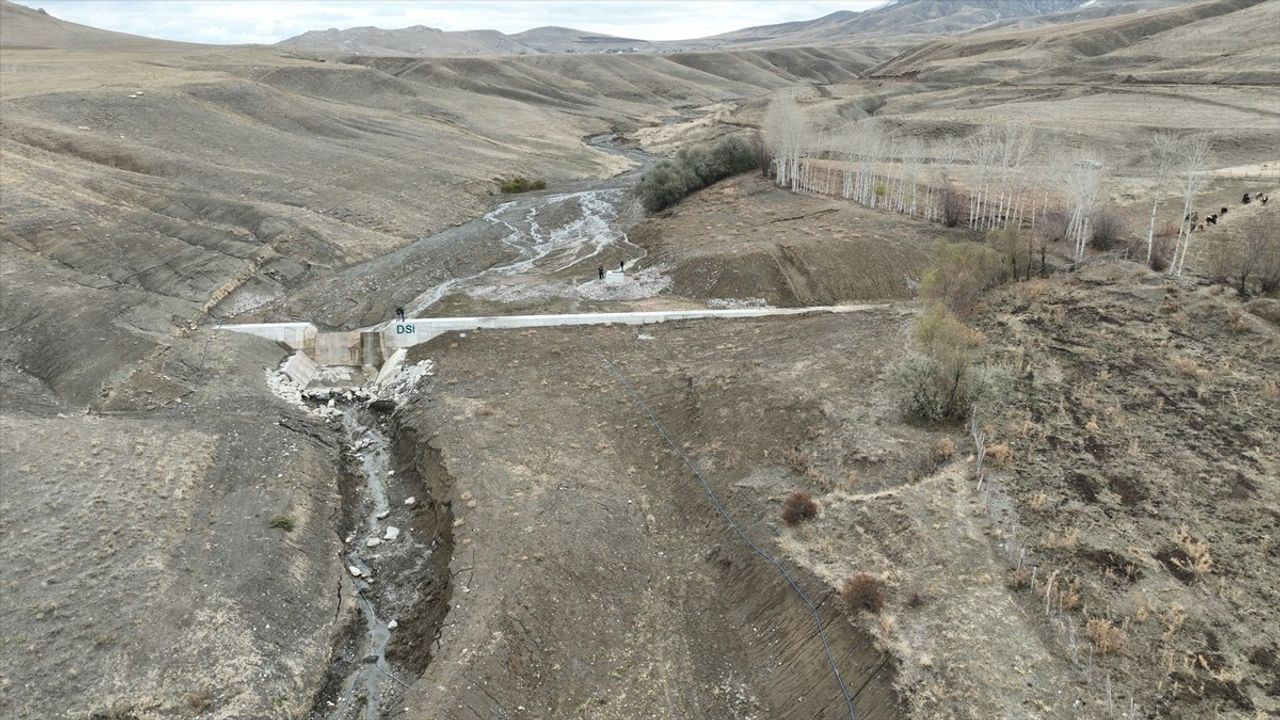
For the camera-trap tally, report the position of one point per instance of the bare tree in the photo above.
(1193, 160)
(1012, 143)
(1084, 186)
(983, 148)
(1164, 153)
(785, 131)
(909, 188)
(1252, 252)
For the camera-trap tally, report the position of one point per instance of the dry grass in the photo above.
(798, 507)
(1187, 368)
(1092, 428)
(1066, 540)
(797, 460)
(863, 593)
(1038, 502)
(998, 454)
(944, 449)
(1195, 558)
(1107, 637)
(200, 699)
(1020, 578)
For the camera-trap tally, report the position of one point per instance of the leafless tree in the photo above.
(1254, 251)
(1164, 154)
(1193, 160)
(1084, 187)
(786, 133)
(912, 153)
(1012, 143)
(982, 150)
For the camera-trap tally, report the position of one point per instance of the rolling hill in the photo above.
(900, 19)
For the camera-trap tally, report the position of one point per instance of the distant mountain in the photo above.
(416, 40)
(915, 19)
(918, 17)
(427, 41)
(551, 39)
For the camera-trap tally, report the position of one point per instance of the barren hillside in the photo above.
(1139, 46)
(589, 522)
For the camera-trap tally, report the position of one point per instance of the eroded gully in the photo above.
(397, 523)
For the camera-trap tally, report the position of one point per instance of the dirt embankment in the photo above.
(192, 523)
(745, 239)
(592, 577)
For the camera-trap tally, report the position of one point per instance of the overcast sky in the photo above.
(268, 21)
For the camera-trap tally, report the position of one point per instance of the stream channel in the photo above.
(387, 558)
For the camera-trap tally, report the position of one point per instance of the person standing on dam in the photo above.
(600, 272)
(400, 313)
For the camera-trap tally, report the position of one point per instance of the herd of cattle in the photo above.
(1213, 218)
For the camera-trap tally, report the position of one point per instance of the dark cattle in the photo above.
(1212, 219)
(1245, 200)
(1263, 199)
(1223, 211)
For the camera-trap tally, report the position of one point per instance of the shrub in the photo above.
(958, 273)
(1106, 228)
(863, 593)
(943, 380)
(1052, 226)
(1251, 252)
(935, 391)
(283, 522)
(665, 185)
(798, 507)
(953, 205)
(693, 169)
(1015, 253)
(937, 329)
(1106, 636)
(521, 184)
(1162, 247)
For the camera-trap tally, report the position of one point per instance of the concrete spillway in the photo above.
(371, 346)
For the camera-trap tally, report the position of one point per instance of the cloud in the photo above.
(269, 21)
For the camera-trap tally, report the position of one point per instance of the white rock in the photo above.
(372, 542)
(383, 514)
(390, 473)
(392, 625)
(355, 571)
(83, 127)
(410, 500)
(392, 533)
